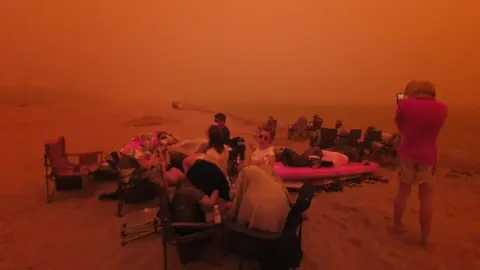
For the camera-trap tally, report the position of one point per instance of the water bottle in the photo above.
(217, 218)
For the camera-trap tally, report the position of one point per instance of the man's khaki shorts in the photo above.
(411, 172)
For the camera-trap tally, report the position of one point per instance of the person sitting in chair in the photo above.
(315, 131)
(342, 145)
(368, 146)
(316, 138)
(208, 171)
(174, 171)
(194, 198)
(265, 152)
(393, 144)
(299, 128)
(214, 150)
(205, 180)
(377, 146)
(188, 202)
(261, 200)
(136, 159)
(219, 120)
(388, 144)
(316, 124)
(204, 183)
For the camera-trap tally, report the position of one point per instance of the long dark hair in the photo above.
(215, 139)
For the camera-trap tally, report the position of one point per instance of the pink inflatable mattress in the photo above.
(307, 173)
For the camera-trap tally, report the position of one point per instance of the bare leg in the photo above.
(425, 195)
(400, 205)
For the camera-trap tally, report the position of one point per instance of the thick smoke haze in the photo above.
(360, 51)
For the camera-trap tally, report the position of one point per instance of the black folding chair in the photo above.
(371, 135)
(273, 251)
(328, 138)
(354, 137)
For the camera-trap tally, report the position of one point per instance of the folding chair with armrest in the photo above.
(58, 165)
(164, 224)
(354, 138)
(371, 135)
(133, 185)
(328, 138)
(199, 231)
(272, 251)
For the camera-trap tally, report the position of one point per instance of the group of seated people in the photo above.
(302, 127)
(386, 143)
(247, 204)
(201, 180)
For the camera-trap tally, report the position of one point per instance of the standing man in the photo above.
(419, 119)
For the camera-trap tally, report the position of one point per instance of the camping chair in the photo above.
(164, 224)
(58, 166)
(170, 235)
(136, 231)
(371, 135)
(354, 137)
(388, 153)
(298, 129)
(272, 251)
(126, 183)
(328, 138)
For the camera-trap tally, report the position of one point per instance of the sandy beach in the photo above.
(100, 72)
(348, 230)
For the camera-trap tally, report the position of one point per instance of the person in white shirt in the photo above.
(214, 151)
(265, 153)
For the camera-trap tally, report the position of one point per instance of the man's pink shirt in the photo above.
(420, 122)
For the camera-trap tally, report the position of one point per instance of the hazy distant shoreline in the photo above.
(457, 143)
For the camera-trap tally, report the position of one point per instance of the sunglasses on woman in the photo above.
(263, 137)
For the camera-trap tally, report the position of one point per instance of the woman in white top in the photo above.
(215, 151)
(265, 153)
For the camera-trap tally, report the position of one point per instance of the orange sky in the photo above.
(300, 50)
